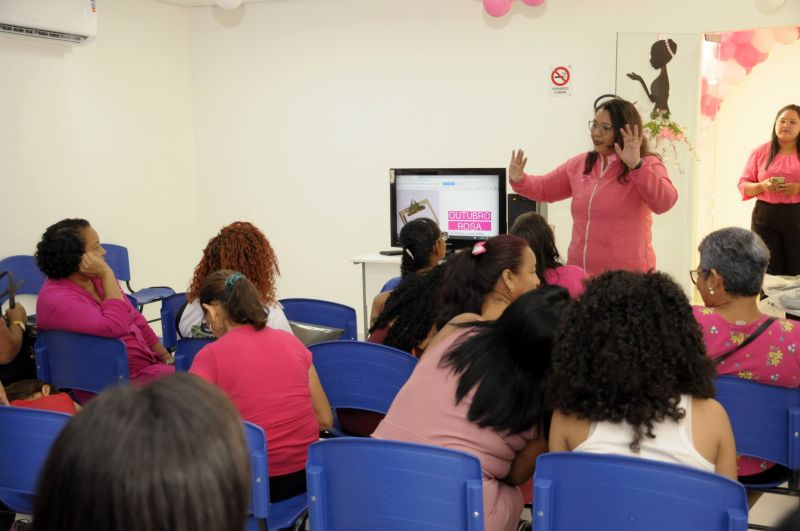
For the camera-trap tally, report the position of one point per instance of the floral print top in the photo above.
(771, 358)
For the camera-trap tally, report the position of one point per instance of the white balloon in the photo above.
(763, 40)
(732, 72)
(229, 4)
(786, 35)
(770, 3)
(704, 124)
(724, 89)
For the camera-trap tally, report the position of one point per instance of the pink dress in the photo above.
(786, 166)
(64, 305)
(265, 374)
(425, 412)
(568, 276)
(770, 359)
(611, 222)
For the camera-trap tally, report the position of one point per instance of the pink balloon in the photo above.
(709, 105)
(763, 40)
(732, 72)
(533, 2)
(727, 49)
(497, 8)
(746, 55)
(742, 37)
(785, 35)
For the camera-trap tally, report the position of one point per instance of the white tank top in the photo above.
(673, 442)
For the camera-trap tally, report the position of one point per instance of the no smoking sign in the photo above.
(560, 80)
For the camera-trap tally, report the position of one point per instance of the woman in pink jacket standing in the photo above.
(614, 188)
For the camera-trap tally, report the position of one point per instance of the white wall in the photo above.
(303, 105)
(288, 113)
(104, 132)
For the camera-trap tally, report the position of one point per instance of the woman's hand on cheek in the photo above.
(93, 265)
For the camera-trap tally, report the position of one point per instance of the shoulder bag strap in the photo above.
(747, 341)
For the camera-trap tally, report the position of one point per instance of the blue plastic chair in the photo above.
(360, 375)
(766, 424)
(23, 268)
(360, 484)
(578, 490)
(186, 350)
(27, 437)
(264, 513)
(169, 323)
(323, 313)
(391, 284)
(117, 258)
(79, 361)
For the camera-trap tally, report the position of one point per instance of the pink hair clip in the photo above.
(478, 248)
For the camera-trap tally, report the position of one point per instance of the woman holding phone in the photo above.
(772, 175)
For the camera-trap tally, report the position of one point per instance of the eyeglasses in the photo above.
(603, 127)
(694, 274)
(443, 236)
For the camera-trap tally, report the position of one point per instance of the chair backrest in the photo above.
(169, 313)
(117, 259)
(391, 283)
(25, 443)
(362, 483)
(356, 374)
(259, 481)
(80, 361)
(578, 490)
(321, 312)
(23, 267)
(765, 419)
(186, 350)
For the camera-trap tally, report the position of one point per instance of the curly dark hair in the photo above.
(59, 252)
(417, 239)
(410, 309)
(627, 351)
(241, 247)
(506, 362)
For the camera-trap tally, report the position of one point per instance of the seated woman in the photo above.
(239, 246)
(268, 375)
(168, 456)
(36, 394)
(16, 362)
(423, 247)
(536, 231)
(631, 377)
(81, 295)
(729, 278)
(479, 389)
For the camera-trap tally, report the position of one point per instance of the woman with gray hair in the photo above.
(741, 340)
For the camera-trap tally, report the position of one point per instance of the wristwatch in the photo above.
(20, 323)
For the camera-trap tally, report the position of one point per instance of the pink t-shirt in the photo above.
(786, 166)
(265, 374)
(771, 358)
(424, 411)
(64, 305)
(568, 276)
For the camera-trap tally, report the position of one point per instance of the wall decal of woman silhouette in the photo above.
(661, 53)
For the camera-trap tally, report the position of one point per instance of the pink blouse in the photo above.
(425, 412)
(568, 276)
(786, 166)
(771, 358)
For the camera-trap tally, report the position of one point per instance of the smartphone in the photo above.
(778, 180)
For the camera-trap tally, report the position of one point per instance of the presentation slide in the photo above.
(462, 205)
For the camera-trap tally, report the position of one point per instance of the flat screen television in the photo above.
(469, 204)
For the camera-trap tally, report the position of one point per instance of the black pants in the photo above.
(287, 486)
(779, 227)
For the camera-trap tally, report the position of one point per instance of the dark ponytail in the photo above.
(237, 295)
(417, 239)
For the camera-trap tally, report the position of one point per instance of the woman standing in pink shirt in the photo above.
(614, 189)
(772, 174)
(82, 295)
(267, 374)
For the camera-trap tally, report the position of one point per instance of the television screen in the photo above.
(468, 204)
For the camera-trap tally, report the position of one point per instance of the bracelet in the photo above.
(638, 165)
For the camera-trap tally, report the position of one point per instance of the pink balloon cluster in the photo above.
(498, 8)
(739, 52)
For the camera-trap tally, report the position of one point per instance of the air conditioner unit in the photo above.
(58, 21)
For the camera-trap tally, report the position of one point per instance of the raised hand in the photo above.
(636, 77)
(516, 166)
(631, 152)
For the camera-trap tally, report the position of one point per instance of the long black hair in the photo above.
(417, 239)
(410, 310)
(506, 361)
(774, 146)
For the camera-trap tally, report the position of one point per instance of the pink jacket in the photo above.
(63, 305)
(611, 222)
